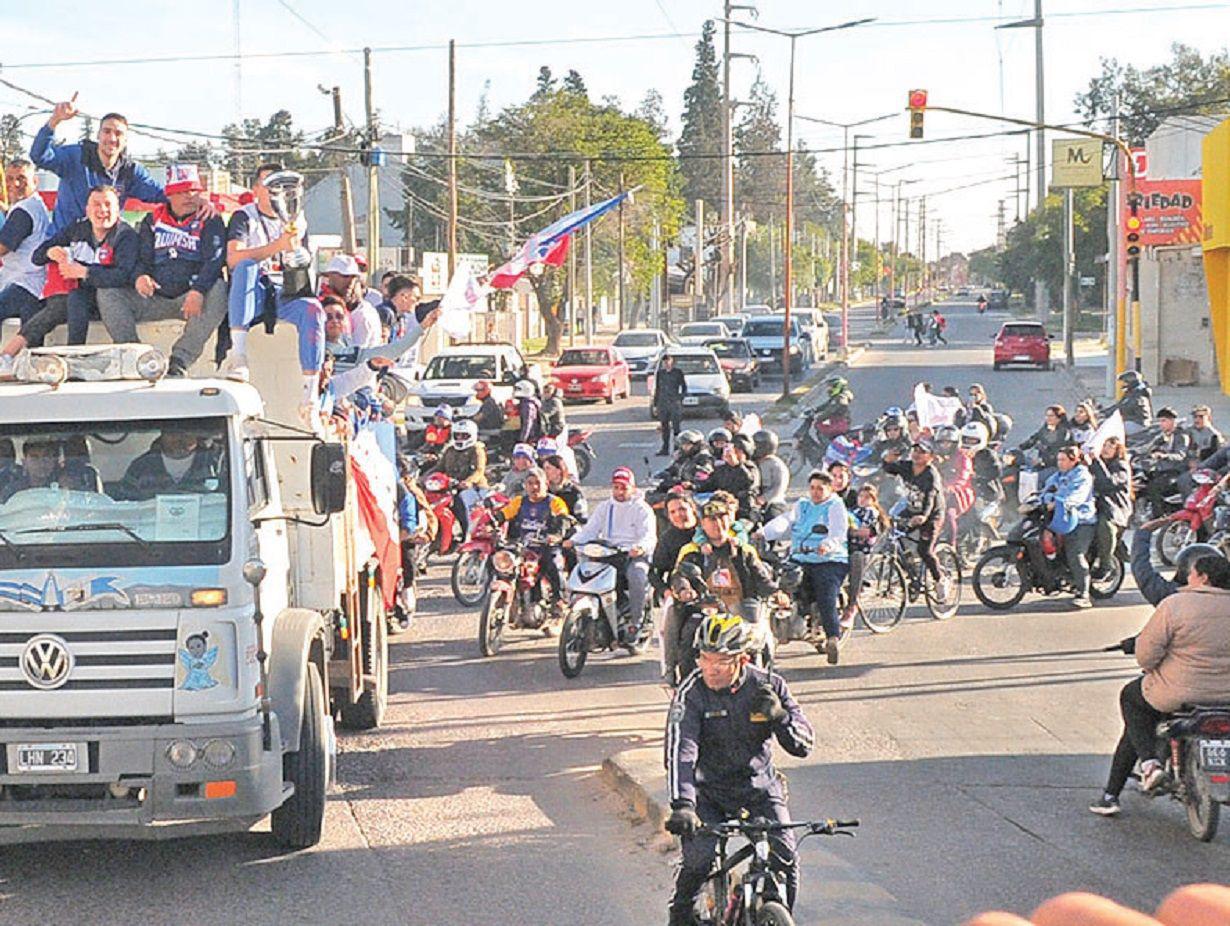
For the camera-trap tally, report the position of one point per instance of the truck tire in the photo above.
(298, 823)
(367, 712)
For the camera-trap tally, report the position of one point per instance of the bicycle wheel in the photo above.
(883, 597)
(774, 914)
(944, 599)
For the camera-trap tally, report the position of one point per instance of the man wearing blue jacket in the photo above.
(177, 273)
(1069, 494)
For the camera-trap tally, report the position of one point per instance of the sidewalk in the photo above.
(1090, 375)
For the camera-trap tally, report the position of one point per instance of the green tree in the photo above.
(1034, 247)
(1188, 82)
(253, 142)
(11, 144)
(701, 134)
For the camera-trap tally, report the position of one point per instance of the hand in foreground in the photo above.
(683, 821)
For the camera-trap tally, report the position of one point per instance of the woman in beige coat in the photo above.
(1184, 650)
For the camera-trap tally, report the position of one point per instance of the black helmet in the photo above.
(765, 443)
(1130, 378)
(744, 443)
(1188, 555)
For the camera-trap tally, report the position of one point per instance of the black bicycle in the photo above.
(757, 897)
(895, 575)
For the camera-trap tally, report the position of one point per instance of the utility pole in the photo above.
(879, 255)
(349, 244)
(452, 157)
(655, 288)
(589, 263)
(923, 276)
(373, 193)
(572, 261)
(772, 264)
(742, 262)
(845, 231)
(698, 262)
(623, 311)
(1115, 315)
(1069, 262)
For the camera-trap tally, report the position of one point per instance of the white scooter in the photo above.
(598, 616)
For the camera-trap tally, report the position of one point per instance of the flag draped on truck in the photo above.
(375, 480)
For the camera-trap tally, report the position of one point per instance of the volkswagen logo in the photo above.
(46, 661)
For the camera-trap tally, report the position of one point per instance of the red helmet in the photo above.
(482, 388)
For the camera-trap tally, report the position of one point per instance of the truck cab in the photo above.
(186, 601)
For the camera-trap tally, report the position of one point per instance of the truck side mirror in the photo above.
(329, 474)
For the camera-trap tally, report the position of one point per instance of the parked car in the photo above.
(641, 347)
(997, 299)
(695, 334)
(450, 377)
(738, 361)
(766, 334)
(734, 323)
(708, 388)
(816, 333)
(1022, 342)
(592, 372)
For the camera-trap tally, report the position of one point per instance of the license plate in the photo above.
(574, 388)
(766, 353)
(45, 757)
(1215, 754)
(1023, 357)
(691, 400)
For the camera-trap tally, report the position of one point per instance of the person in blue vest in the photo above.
(818, 528)
(23, 230)
(1068, 494)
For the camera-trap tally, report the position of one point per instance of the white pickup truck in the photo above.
(187, 598)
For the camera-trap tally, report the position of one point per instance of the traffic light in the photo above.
(918, 107)
(1132, 225)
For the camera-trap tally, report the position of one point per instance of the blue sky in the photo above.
(841, 77)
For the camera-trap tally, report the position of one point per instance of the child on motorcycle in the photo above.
(867, 522)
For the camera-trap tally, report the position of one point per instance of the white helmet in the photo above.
(974, 435)
(465, 434)
(523, 389)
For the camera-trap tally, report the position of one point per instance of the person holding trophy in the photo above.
(268, 261)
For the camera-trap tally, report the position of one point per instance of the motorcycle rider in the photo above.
(1206, 440)
(837, 399)
(734, 571)
(957, 471)
(982, 304)
(1136, 406)
(895, 438)
(561, 483)
(554, 421)
(719, 756)
(436, 436)
(774, 474)
(1053, 435)
(718, 439)
(978, 409)
(626, 521)
(924, 507)
(529, 410)
(737, 475)
(1183, 652)
(464, 461)
(682, 523)
(535, 517)
(1083, 423)
(669, 388)
(1112, 492)
(1069, 494)
(1169, 451)
(490, 415)
(818, 528)
(523, 459)
(839, 470)
(693, 462)
(988, 472)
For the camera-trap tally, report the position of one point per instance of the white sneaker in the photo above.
(235, 367)
(8, 366)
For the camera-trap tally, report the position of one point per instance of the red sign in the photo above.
(1170, 212)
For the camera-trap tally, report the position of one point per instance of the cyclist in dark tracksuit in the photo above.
(719, 754)
(925, 494)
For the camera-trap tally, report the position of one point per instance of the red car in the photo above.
(1023, 342)
(595, 372)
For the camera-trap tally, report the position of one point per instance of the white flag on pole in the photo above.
(934, 410)
(460, 299)
(1111, 427)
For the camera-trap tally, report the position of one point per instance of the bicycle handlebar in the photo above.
(828, 827)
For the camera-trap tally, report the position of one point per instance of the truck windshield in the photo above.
(461, 366)
(114, 493)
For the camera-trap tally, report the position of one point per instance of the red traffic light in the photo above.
(918, 99)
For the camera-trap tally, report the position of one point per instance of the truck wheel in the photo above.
(297, 824)
(367, 712)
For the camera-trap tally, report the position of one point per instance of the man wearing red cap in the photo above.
(177, 273)
(625, 521)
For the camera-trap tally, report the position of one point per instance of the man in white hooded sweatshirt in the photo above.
(624, 520)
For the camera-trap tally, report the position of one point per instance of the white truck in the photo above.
(187, 600)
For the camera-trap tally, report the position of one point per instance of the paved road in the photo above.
(969, 749)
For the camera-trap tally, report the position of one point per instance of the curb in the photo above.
(836, 892)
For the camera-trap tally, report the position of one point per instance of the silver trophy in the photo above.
(286, 199)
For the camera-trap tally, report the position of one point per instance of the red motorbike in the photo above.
(519, 596)
(1194, 521)
(440, 491)
(471, 575)
(583, 450)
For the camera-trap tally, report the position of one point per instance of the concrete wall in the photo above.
(1173, 279)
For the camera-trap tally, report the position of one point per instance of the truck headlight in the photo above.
(181, 754)
(219, 753)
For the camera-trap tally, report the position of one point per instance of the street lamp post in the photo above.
(787, 245)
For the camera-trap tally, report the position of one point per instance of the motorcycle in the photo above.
(1145, 474)
(471, 575)
(1031, 559)
(817, 426)
(1194, 521)
(599, 615)
(583, 450)
(519, 595)
(440, 492)
(1199, 764)
(790, 614)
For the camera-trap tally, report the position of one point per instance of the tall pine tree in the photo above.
(701, 132)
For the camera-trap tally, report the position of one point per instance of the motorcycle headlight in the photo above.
(504, 562)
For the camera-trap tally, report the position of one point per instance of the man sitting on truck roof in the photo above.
(177, 273)
(177, 463)
(255, 241)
